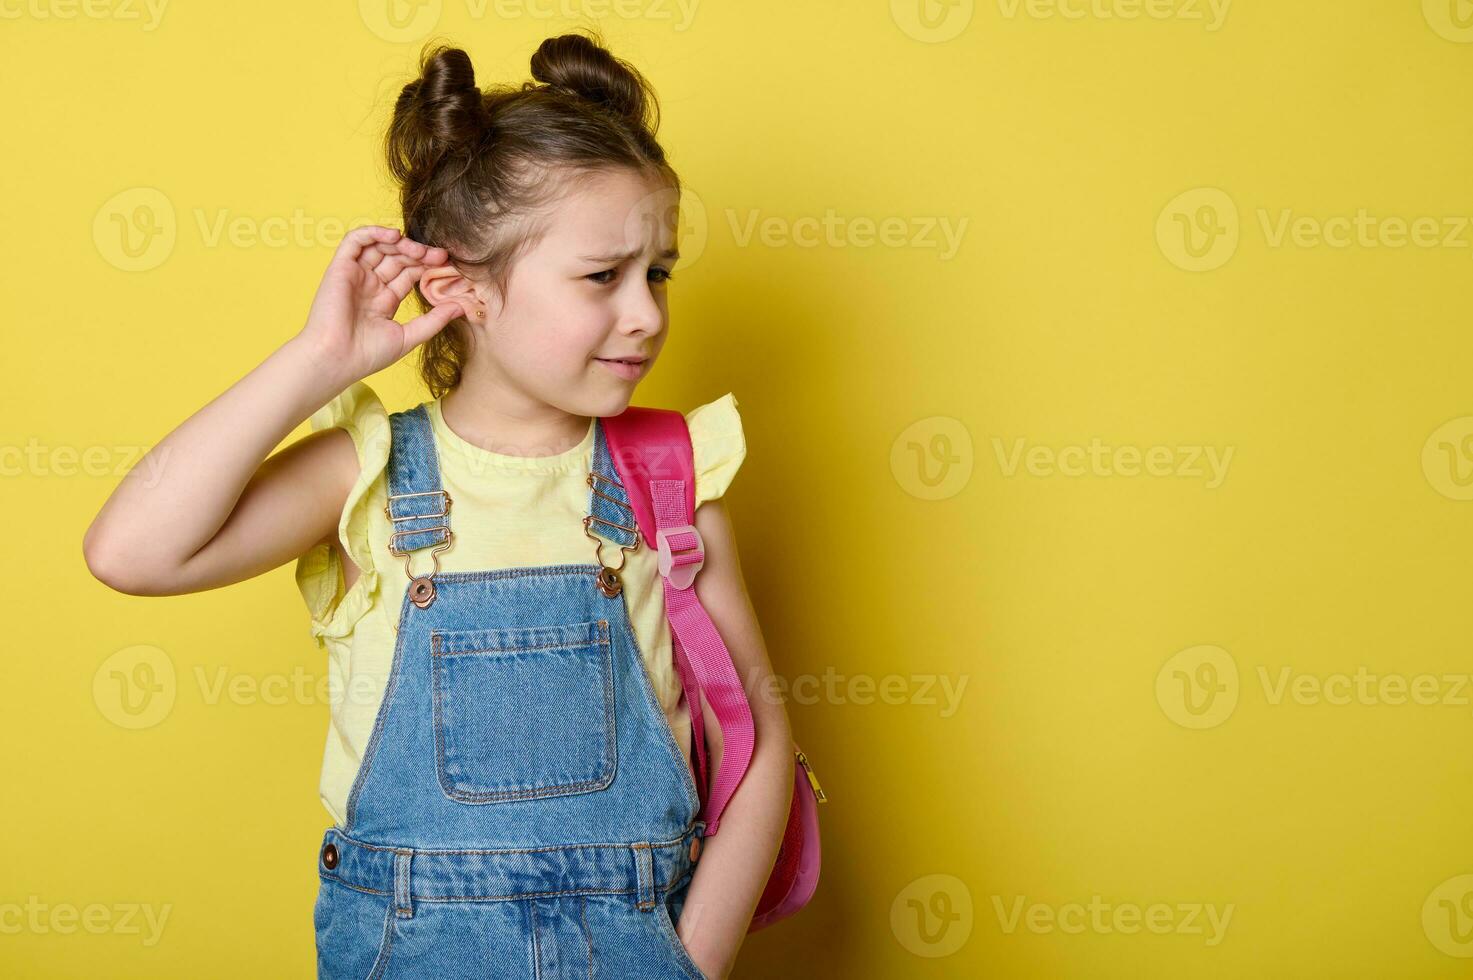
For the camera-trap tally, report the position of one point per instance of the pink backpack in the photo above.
(651, 451)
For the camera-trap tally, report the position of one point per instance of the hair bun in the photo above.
(441, 112)
(575, 64)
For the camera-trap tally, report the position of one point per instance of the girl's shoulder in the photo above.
(320, 578)
(718, 445)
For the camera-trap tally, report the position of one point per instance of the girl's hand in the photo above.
(351, 330)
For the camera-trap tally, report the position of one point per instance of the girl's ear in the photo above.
(444, 283)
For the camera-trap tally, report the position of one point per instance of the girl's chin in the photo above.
(611, 399)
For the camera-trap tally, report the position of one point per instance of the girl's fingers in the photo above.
(401, 284)
(386, 300)
(425, 326)
(372, 255)
(395, 261)
(376, 242)
(389, 268)
(409, 246)
(403, 252)
(418, 251)
(357, 239)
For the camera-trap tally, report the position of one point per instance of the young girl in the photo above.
(508, 761)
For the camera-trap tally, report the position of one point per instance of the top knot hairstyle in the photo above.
(476, 167)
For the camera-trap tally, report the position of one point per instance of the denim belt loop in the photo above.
(644, 873)
(403, 902)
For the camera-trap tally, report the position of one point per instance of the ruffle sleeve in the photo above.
(319, 573)
(718, 445)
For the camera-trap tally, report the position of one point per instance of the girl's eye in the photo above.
(657, 273)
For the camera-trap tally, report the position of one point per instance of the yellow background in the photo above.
(1338, 539)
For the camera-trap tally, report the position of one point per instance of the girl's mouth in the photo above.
(628, 370)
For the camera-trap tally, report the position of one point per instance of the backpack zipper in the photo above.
(818, 792)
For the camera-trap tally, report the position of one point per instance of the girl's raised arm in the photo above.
(205, 507)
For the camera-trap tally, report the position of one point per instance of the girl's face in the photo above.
(590, 292)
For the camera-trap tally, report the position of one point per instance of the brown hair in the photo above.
(476, 168)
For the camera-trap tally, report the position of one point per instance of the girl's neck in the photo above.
(500, 422)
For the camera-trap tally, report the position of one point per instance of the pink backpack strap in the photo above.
(651, 450)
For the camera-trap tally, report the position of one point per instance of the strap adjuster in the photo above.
(395, 537)
(679, 569)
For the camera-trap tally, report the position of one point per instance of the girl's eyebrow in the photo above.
(669, 253)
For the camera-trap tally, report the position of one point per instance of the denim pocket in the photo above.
(672, 937)
(354, 932)
(523, 712)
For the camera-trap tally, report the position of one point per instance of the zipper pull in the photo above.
(818, 792)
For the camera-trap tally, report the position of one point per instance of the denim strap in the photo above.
(610, 515)
(418, 507)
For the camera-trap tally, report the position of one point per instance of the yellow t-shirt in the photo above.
(509, 512)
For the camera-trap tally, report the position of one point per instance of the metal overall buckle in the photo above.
(421, 587)
(608, 578)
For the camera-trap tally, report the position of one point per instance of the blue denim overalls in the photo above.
(522, 809)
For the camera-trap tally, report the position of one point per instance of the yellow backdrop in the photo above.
(1109, 493)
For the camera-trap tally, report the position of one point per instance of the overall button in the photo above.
(695, 848)
(330, 856)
